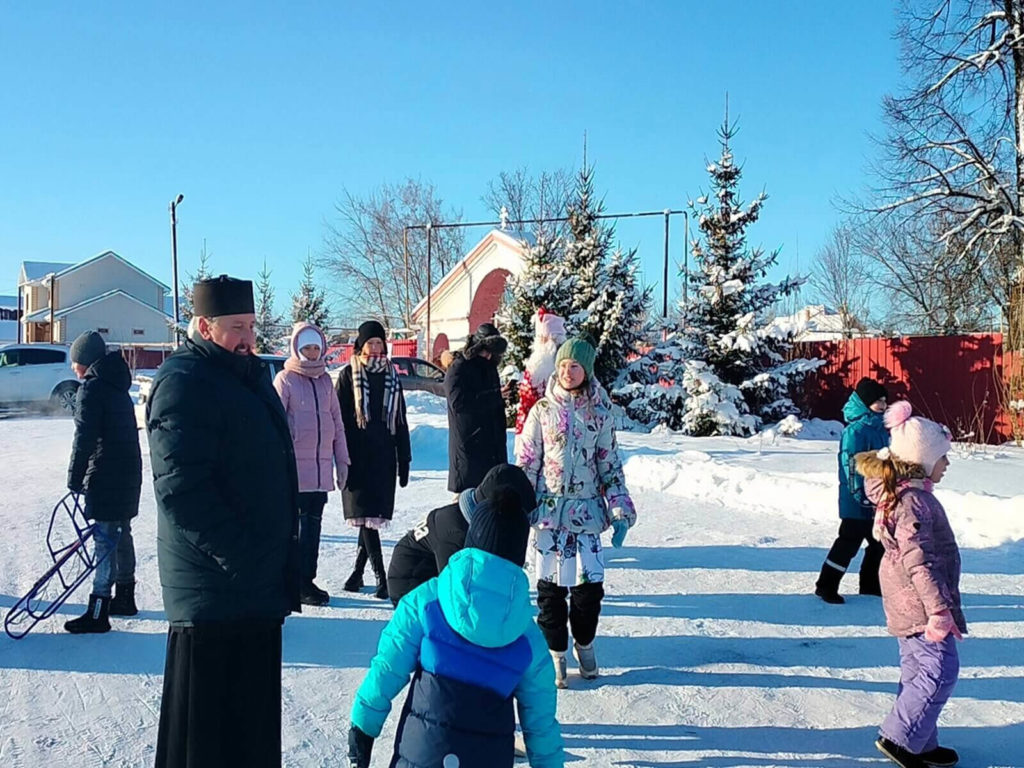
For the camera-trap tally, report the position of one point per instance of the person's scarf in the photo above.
(361, 390)
(314, 369)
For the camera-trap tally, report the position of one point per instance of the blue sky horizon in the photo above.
(261, 115)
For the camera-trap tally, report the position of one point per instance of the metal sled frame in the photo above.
(73, 563)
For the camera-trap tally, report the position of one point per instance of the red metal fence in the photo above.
(340, 354)
(958, 380)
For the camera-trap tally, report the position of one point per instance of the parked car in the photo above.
(37, 376)
(419, 375)
(275, 363)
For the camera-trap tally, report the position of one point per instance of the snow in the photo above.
(713, 651)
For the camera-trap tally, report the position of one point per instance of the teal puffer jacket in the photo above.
(864, 432)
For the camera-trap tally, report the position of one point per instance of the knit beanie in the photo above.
(914, 439)
(500, 531)
(507, 486)
(88, 348)
(580, 351)
(870, 391)
(371, 329)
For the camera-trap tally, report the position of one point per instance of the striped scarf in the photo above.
(361, 390)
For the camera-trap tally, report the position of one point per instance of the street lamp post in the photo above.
(174, 263)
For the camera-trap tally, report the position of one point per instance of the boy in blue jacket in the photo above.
(864, 432)
(468, 640)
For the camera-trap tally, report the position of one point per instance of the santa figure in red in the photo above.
(549, 333)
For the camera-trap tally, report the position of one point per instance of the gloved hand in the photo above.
(403, 473)
(342, 476)
(619, 530)
(75, 487)
(359, 748)
(940, 625)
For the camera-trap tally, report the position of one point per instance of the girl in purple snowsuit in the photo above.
(920, 580)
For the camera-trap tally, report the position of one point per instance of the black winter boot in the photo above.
(899, 755)
(94, 620)
(827, 586)
(311, 594)
(123, 603)
(372, 540)
(354, 583)
(943, 757)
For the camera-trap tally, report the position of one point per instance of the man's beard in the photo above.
(541, 362)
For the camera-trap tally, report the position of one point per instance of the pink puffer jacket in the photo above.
(314, 419)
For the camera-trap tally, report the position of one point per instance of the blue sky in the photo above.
(260, 113)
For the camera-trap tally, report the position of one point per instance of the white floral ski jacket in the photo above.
(569, 452)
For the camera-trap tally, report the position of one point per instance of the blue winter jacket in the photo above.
(468, 640)
(864, 432)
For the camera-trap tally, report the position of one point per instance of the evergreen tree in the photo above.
(268, 323)
(185, 310)
(728, 359)
(309, 304)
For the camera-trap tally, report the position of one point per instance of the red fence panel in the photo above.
(953, 379)
(340, 353)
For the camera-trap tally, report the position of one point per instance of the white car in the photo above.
(37, 375)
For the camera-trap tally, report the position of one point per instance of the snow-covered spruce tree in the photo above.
(309, 303)
(268, 323)
(727, 319)
(185, 311)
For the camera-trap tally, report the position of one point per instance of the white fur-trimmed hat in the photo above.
(549, 324)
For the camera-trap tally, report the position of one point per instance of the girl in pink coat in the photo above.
(920, 580)
(321, 453)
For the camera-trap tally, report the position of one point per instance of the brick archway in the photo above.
(487, 298)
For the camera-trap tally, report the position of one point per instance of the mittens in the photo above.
(403, 473)
(359, 748)
(940, 625)
(619, 530)
(342, 476)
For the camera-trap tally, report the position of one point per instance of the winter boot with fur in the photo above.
(827, 586)
(587, 660)
(899, 755)
(558, 657)
(123, 603)
(94, 620)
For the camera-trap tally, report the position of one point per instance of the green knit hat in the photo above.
(579, 350)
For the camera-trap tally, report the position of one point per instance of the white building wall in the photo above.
(122, 317)
(107, 274)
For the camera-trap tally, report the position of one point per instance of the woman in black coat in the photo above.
(106, 467)
(377, 431)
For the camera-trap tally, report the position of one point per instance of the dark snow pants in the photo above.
(928, 675)
(311, 515)
(221, 701)
(581, 613)
(853, 533)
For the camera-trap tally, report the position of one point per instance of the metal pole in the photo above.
(405, 252)
(664, 282)
(174, 264)
(52, 320)
(18, 318)
(430, 289)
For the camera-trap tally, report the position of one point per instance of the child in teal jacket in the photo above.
(864, 431)
(468, 640)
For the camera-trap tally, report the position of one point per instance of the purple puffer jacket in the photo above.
(920, 573)
(314, 419)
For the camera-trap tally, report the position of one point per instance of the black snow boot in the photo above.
(372, 540)
(827, 586)
(94, 620)
(941, 757)
(899, 755)
(354, 583)
(311, 594)
(123, 603)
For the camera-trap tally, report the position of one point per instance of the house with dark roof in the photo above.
(107, 292)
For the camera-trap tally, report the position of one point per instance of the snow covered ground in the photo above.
(713, 651)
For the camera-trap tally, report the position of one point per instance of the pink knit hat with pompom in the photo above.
(915, 439)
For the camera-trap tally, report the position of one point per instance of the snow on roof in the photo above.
(36, 270)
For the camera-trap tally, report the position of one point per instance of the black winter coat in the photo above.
(375, 455)
(476, 421)
(106, 462)
(424, 551)
(226, 488)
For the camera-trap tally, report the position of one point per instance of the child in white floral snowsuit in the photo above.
(568, 450)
